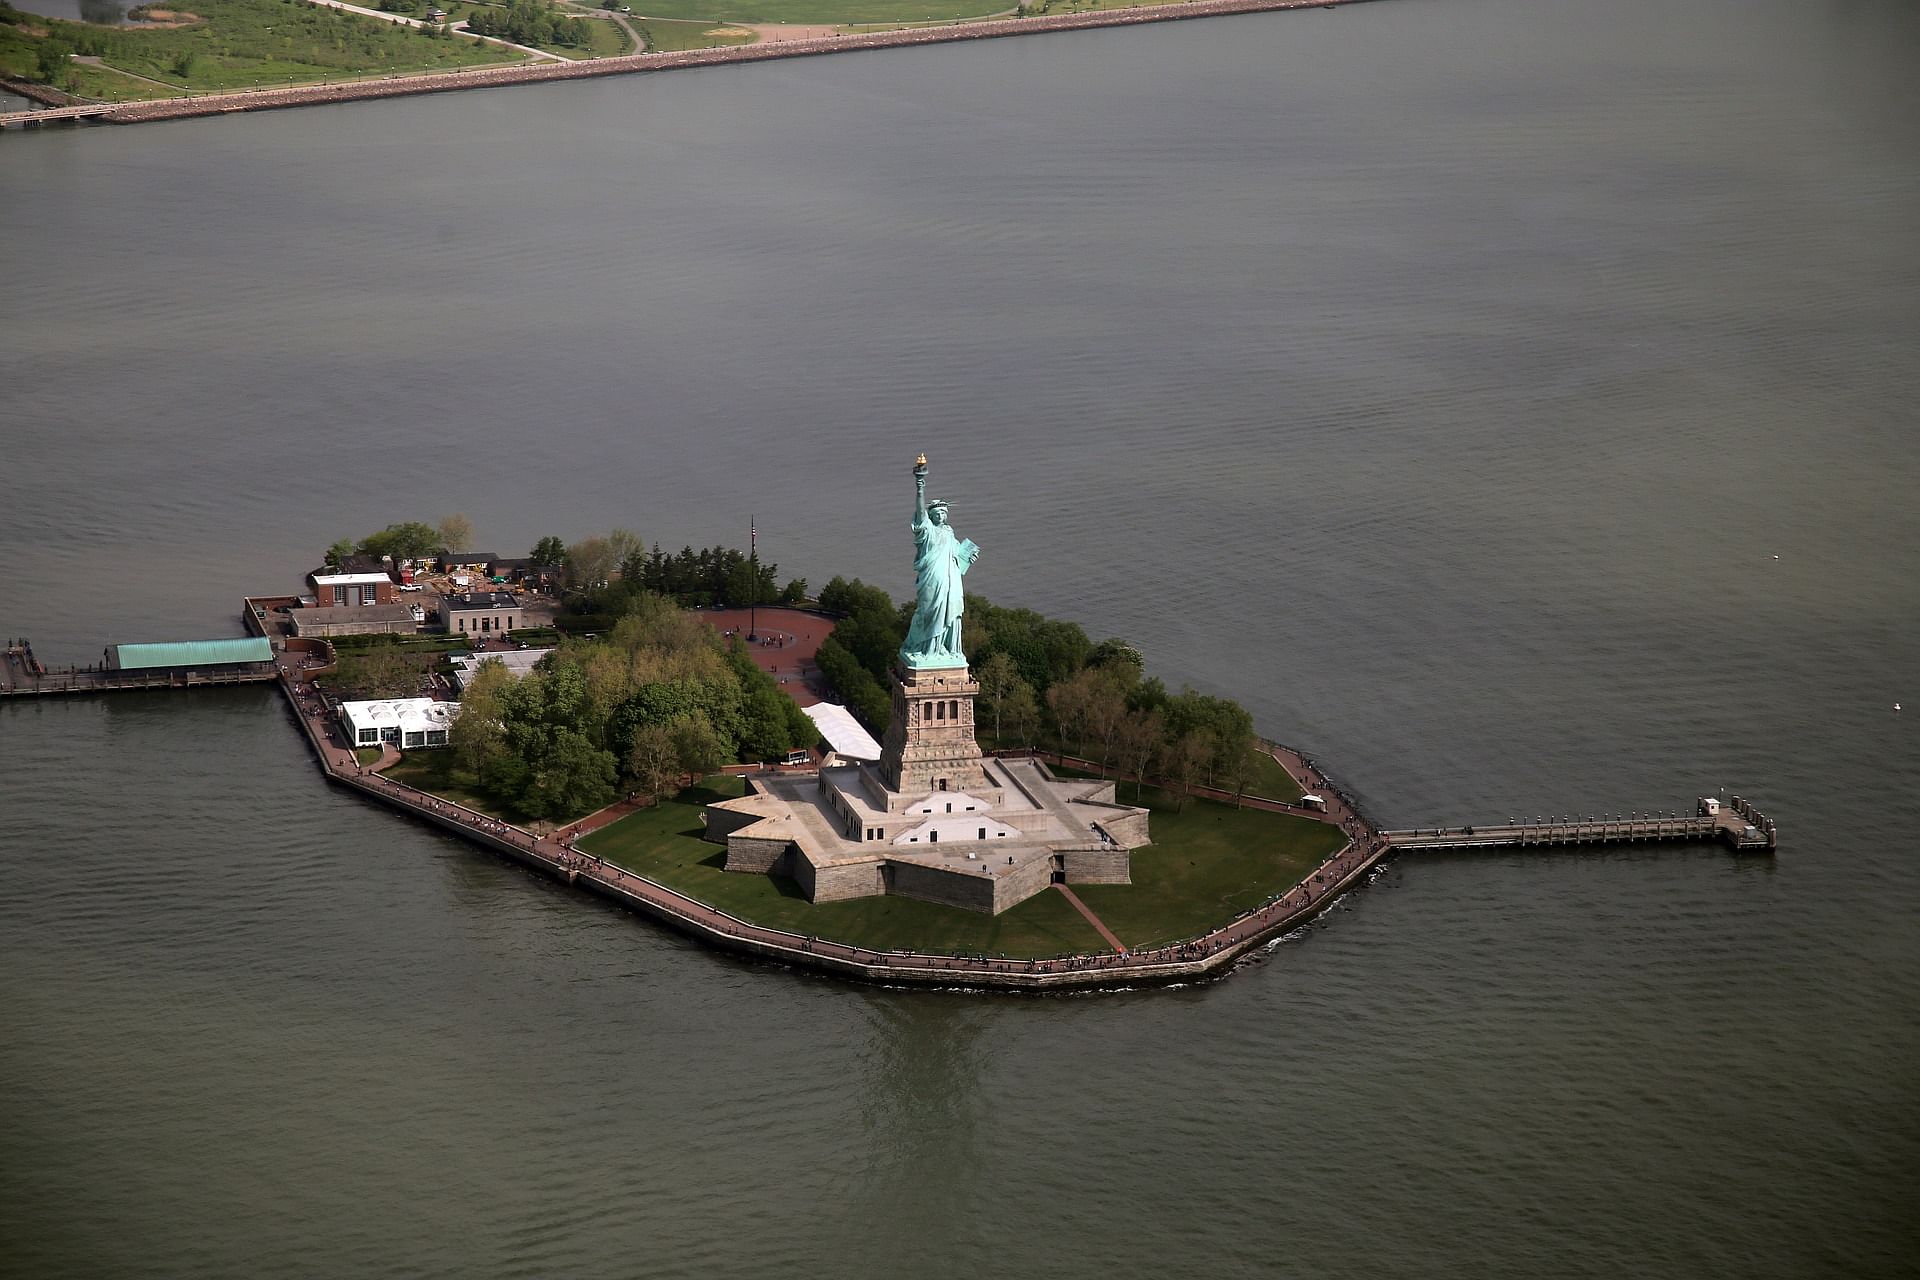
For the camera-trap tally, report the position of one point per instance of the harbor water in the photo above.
(1513, 404)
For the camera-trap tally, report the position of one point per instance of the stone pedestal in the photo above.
(929, 744)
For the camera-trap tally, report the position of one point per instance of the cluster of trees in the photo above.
(412, 540)
(529, 22)
(655, 701)
(605, 574)
(1043, 680)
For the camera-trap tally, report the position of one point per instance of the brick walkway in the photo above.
(1092, 919)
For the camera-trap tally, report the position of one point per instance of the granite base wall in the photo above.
(834, 884)
(756, 854)
(1098, 866)
(948, 888)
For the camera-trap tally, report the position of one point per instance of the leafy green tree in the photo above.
(1138, 743)
(478, 735)
(795, 592)
(1020, 712)
(590, 562)
(549, 553)
(765, 733)
(572, 777)
(339, 551)
(652, 762)
(1186, 759)
(455, 532)
(697, 747)
(410, 541)
(997, 677)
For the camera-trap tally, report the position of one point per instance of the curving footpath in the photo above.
(627, 64)
(1207, 956)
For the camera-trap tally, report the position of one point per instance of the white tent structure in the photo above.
(406, 723)
(843, 735)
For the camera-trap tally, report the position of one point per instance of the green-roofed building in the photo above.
(251, 653)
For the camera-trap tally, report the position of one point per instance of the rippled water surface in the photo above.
(1439, 377)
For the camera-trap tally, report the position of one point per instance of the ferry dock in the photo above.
(183, 665)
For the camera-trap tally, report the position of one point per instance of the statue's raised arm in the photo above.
(939, 594)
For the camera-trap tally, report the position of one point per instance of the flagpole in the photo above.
(753, 601)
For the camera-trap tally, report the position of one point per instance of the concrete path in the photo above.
(1092, 919)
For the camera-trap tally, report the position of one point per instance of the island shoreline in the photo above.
(145, 112)
(1209, 956)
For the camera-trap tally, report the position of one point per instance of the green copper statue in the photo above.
(939, 596)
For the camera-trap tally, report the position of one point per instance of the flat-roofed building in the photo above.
(481, 613)
(339, 590)
(225, 657)
(517, 662)
(354, 620)
(407, 723)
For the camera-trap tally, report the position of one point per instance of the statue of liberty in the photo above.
(939, 595)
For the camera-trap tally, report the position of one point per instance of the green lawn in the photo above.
(1208, 864)
(664, 843)
(664, 36)
(368, 755)
(1273, 782)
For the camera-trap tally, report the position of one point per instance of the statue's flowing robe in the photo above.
(939, 592)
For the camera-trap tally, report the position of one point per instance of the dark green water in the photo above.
(1439, 377)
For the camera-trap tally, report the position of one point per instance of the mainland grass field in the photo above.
(1209, 862)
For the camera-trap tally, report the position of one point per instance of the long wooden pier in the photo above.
(1738, 825)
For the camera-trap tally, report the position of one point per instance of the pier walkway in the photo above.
(1739, 826)
(56, 115)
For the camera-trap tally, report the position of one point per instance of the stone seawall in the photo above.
(492, 77)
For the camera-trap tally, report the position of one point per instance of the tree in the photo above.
(625, 547)
(339, 551)
(795, 592)
(570, 778)
(1241, 772)
(697, 748)
(549, 553)
(653, 761)
(477, 734)
(997, 676)
(590, 562)
(1186, 760)
(409, 541)
(1087, 707)
(456, 532)
(1020, 711)
(1138, 743)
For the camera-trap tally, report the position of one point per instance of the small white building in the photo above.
(406, 723)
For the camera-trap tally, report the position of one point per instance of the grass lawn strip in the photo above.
(1206, 865)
